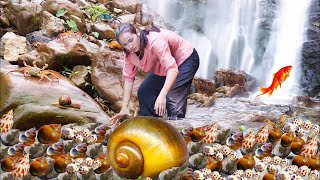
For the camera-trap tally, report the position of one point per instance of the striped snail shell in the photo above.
(144, 146)
(64, 100)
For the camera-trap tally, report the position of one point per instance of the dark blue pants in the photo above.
(177, 97)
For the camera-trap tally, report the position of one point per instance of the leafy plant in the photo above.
(68, 72)
(95, 34)
(61, 12)
(89, 69)
(72, 25)
(96, 11)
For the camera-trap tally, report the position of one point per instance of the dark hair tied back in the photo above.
(126, 27)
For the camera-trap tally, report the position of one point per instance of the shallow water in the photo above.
(235, 112)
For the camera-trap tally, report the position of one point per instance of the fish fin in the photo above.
(270, 92)
(263, 91)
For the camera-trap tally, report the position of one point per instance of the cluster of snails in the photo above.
(138, 147)
(53, 150)
(263, 155)
(153, 148)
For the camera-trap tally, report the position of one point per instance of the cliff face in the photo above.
(310, 77)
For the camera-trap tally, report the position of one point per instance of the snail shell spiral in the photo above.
(65, 100)
(144, 147)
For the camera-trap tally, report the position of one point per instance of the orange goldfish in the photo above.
(278, 79)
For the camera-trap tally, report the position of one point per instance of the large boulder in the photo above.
(31, 100)
(129, 5)
(310, 61)
(68, 51)
(25, 15)
(12, 46)
(107, 77)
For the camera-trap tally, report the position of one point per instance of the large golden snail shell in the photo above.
(65, 100)
(145, 146)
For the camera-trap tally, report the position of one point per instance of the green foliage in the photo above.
(68, 72)
(76, 17)
(61, 12)
(72, 25)
(96, 11)
(89, 69)
(95, 34)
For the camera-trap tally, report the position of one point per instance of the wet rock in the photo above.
(104, 30)
(67, 51)
(38, 36)
(80, 76)
(225, 77)
(25, 15)
(204, 86)
(12, 46)
(32, 101)
(52, 24)
(107, 77)
(205, 100)
(128, 18)
(129, 5)
(52, 6)
(306, 101)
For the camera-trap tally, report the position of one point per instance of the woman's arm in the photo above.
(160, 104)
(127, 90)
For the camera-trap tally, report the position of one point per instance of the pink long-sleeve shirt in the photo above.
(165, 51)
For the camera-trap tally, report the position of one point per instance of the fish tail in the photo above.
(263, 91)
(270, 92)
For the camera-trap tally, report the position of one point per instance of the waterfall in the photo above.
(256, 36)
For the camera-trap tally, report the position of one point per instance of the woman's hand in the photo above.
(160, 104)
(123, 112)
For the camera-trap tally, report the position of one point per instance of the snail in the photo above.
(38, 166)
(246, 162)
(61, 163)
(145, 146)
(49, 134)
(65, 102)
(7, 164)
(6, 121)
(28, 137)
(104, 164)
(21, 167)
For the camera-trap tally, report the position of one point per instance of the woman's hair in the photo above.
(126, 27)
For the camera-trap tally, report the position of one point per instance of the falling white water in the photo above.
(229, 32)
(287, 36)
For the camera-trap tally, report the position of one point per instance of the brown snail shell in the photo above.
(314, 163)
(296, 145)
(38, 166)
(65, 100)
(286, 139)
(7, 164)
(246, 162)
(49, 134)
(275, 134)
(105, 165)
(300, 161)
(61, 163)
(145, 146)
